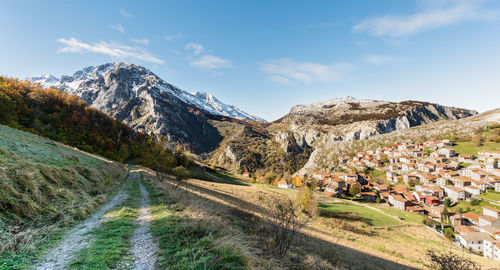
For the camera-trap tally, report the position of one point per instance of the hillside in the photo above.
(60, 116)
(137, 97)
(45, 187)
(226, 136)
(324, 158)
(298, 138)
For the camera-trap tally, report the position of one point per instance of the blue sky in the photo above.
(266, 56)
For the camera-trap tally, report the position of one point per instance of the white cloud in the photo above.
(431, 15)
(210, 62)
(382, 59)
(125, 14)
(141, 41)
(118, 27)
(112, 49)
(195, 47)
(287, 70)
(173, 37)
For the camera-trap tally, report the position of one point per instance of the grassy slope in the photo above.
(186, 242)
(348, 211)
(347, 237)
(46, 187)
(470, 148)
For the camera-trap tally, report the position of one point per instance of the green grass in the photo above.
(186, 243)
(111, 243)
(492, 195)
(464, 206)
(470, 148)
(352, 212)
(403, 215)
(45, 189)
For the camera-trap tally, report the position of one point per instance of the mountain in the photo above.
(78, 84)
(300, 141)
(303, 140)
(137, 97)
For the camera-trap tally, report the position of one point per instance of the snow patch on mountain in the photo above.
(78, 84)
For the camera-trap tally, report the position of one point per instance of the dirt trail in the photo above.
(78, 237)
(143, 246)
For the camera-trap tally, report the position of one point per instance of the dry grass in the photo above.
(326, 243)
(45, 187)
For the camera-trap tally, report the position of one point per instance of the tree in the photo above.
(449, 233)
(180, 173)
(354, 190)
(447, 202)
(297, 181)
(475, 202)
(477, 140)
(450, 261)
(444, 217)
(306, 201)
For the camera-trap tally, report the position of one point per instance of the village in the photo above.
(428, 179)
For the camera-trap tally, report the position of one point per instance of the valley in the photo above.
(160, 200)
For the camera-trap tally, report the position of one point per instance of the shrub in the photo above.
(285, 223)
(475, 202)
(180, 173)
(447, 202)
(450, 261)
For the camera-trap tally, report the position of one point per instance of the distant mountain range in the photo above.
(227, 136)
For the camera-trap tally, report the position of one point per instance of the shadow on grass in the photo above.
(251, 225)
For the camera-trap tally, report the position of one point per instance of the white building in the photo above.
(472, 191)
(473, 241)
(491, 211)
(491, 249)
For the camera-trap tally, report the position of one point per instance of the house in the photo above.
(472, 241)
(492, 230)
(491, 211)
(369, 196)
(482, 185)
(463, 229)
(491, 249)
(447, 152)
(485, 155)
(489, 221)
(431, 200)
(284, 184)
(416, 209)
(454, 193)
(466, 158)
(472, 191)
(441, 181)
(461, 181)
(397, 201)
(471, 218)
(246, 174)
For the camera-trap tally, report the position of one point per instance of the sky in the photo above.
(267, 56)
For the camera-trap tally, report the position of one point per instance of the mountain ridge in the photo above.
(203, 100)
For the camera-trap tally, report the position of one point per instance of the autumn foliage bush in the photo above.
(63, 117)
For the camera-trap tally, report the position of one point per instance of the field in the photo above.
(470, 148)
(332, 239)
(348, 211)
(491, 195)
(464, 206)
(403, 215)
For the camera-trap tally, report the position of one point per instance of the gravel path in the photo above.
(143, 246)
(77, 238)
